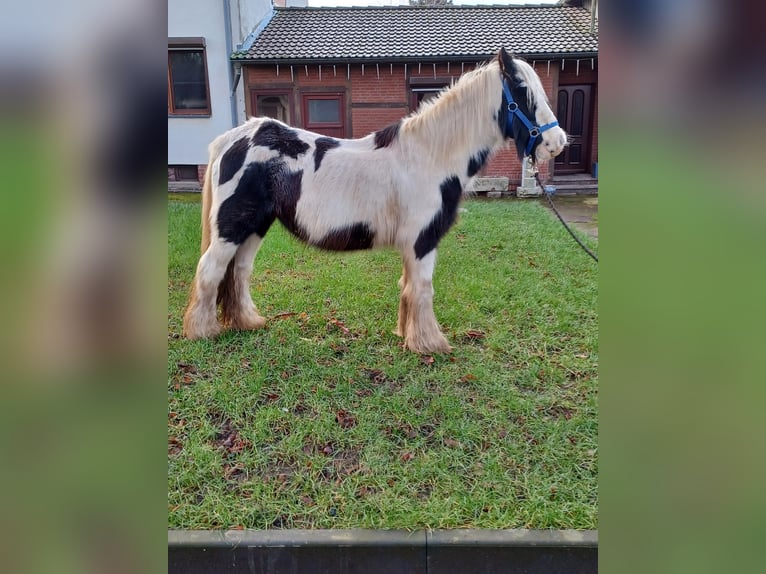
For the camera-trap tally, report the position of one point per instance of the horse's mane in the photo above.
(463, 117)
(536, 92)
(462, 112)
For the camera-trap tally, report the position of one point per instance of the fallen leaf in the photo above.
(187, 368)
(375, 375)
(364, 491)
(468, 377)
(283, 315)
(345, 419)
(475, 334)
(407, 456)
(174, 445)
(307, 500)
(339, 325)
(451, 443)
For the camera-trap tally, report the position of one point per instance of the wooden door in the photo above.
(574, 116)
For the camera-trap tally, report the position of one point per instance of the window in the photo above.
(188, 92)
(183, 172)
(423, 92)
(275, 106)
(324, 113)
(420, 95)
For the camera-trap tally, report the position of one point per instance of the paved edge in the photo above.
(389, 538)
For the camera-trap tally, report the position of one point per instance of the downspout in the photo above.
(593, 5)
(229, 49)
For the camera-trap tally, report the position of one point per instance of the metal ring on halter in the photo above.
(534, 132)
(513, 110)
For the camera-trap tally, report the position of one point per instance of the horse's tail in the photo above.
(214, 150)
(228, 297)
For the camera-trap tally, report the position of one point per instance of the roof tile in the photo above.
(341, 34)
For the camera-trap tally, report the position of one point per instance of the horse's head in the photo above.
(525, 114)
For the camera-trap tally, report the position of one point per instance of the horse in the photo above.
(397, 187)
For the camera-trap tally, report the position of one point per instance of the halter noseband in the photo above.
(534, 130)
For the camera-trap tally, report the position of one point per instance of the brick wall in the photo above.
(378, 96)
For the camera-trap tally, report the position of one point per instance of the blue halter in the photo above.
(534, 130)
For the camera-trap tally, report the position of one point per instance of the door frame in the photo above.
(587, 136)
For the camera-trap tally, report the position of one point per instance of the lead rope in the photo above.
(561, 219)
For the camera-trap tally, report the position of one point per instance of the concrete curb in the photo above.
(383, 551)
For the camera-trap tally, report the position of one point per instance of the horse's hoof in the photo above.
(249, 323)
(209, 332)
(434, 347)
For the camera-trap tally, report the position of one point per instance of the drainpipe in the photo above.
(229, 50)
(593, 5)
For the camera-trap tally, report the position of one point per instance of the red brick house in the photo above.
(346, 72)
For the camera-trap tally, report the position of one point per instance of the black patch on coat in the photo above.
(251, 208)
(232, 160)
(323, 145)
(430, 236)
(287, 192)
(280, 138)
(349, 238)
(384, 137)
(477, 162)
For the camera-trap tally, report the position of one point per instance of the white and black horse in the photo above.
(398, 187)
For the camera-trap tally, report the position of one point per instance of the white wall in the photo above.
(188, 137)
(246, 16)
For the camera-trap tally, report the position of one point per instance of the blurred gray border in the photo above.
(383, 551)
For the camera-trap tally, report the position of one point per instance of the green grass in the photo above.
(322, 420)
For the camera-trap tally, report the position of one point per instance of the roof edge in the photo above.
(447, 7)
(242, 58)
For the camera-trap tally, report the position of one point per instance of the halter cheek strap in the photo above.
(535, 131)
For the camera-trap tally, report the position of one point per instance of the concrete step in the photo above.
(184, 186)
(575, 184)
(575, 189)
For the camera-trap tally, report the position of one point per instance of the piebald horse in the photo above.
(397, 187)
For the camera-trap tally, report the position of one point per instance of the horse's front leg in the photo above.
(416, 311)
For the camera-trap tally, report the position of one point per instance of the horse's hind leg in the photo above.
(201, 318)
(238, 310)
(404, 306)
(421, 330)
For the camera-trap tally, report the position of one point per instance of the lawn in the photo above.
(322, 420)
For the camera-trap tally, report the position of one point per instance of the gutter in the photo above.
(410, 59)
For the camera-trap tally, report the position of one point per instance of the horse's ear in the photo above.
(506, 62)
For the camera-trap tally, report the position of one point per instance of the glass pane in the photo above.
(187, 73)
(274, 107)
(324, 111)
(578, 109)
(427, 96)
(186, 173)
